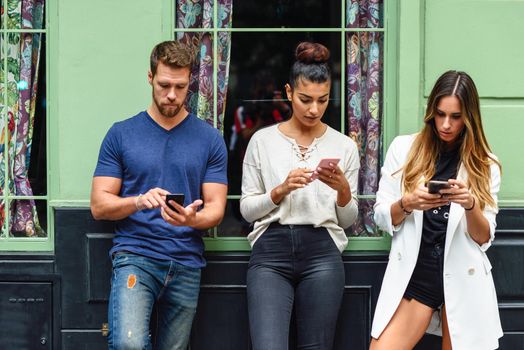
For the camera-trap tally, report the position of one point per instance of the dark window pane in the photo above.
(259, 70)
(37, 153)
(286, 14)
(233, 223)
(364, 14)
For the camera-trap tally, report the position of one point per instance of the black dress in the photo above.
(426, 283)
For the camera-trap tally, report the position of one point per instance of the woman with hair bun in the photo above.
(299, 211)
(438, 279)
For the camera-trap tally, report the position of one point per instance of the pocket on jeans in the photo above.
(260, 244)
(121, 257)
(261, 249)
(328, 240)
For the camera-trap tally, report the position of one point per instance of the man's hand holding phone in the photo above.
(154, 198)
(176, 214)
(175, 197)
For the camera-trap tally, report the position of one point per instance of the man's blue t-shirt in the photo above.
(144, 155)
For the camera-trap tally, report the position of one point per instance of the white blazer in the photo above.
(469, 291)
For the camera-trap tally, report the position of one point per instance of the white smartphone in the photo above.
(324, 163)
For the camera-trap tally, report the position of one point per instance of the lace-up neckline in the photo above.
(303, 152)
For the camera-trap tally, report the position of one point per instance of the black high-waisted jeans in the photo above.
(294, 265)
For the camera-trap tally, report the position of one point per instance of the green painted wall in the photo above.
(483, 38)
(99, 60)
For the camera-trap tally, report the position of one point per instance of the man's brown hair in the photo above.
(174, 54)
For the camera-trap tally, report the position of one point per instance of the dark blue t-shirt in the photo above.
(144, 155)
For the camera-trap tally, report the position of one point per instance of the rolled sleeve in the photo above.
(347, 214)
(490, 213)
(389, 189)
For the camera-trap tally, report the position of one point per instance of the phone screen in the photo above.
(324, 163)
(177, 197)
(435, 186)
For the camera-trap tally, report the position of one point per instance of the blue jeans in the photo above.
(300, 266)
(138, 283)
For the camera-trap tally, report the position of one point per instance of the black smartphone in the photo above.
(177, 197)
(434, 186)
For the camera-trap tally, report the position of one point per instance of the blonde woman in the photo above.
(438, 278)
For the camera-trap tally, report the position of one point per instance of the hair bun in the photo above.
(308, 53)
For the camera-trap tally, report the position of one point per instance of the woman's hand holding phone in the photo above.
(459, 193)
(421, 199)
(297, 178)
(325, 163)
(330, 173)
(435, 186)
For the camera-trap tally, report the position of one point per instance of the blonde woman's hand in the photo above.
(459, 193)
(421, 199)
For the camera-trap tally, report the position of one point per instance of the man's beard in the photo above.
(168, 112)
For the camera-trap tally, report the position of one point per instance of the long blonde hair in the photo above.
(475, 153)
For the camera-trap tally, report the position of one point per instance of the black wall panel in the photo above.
(81, 250)
(83, 340)
(75, 283)
(26, 315)
(29, 312)
(227, 328)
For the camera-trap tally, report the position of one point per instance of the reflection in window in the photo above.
(253, 68)
(233, 223)
(259, 70)
(286, 14)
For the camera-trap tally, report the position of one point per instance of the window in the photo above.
(23, 161)
(247, 47)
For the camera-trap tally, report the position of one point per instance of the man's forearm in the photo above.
(112, 207)
(208, 217)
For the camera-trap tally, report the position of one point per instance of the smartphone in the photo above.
(177, 197)
(434, 186)
(324, 163)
